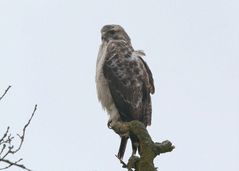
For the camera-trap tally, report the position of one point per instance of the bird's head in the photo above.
(113, 32)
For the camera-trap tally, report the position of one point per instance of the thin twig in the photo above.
(5, 92)
(7, 148)
(10, 164)
(4, 135)
(124, 165)
(24, 130)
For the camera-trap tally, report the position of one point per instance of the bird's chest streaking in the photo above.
(103, 91)
(124, 82)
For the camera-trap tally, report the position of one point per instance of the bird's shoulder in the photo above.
(125, 65)
(120, 48)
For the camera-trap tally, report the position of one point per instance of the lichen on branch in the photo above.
(149, 149)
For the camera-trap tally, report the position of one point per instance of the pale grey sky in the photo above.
(48, 51)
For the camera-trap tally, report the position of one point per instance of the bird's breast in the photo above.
(103, 91)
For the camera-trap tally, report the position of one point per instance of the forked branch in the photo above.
(7, 147)
(149, 149)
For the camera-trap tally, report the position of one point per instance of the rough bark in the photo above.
(149, 149)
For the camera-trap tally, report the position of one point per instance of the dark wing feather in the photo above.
(150, 75)
(130, 82)
(150, 89)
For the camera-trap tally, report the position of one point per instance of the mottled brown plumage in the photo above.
(124, 81)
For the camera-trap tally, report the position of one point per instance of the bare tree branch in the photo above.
(10, 164)
(4, 135)
(7, 149)
(149, 149)
(5, 92)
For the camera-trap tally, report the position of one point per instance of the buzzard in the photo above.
(124, 82)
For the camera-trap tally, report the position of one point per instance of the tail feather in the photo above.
(122, 147)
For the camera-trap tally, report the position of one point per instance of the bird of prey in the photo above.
(124, 82)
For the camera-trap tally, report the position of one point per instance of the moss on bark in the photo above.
(149, 149)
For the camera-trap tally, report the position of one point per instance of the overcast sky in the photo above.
(48, 51)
